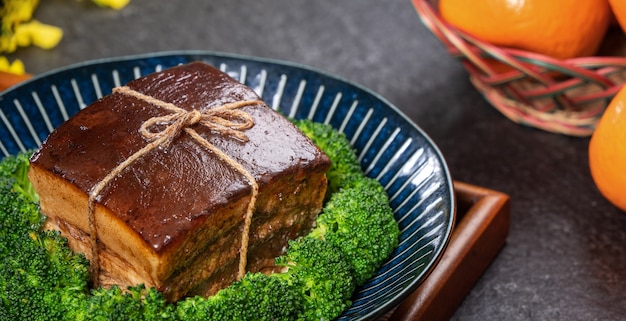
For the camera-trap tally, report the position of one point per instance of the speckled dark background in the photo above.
(566, 254)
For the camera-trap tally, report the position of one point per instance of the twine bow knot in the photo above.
(227, 120)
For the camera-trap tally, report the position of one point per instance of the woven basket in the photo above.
(560, 96)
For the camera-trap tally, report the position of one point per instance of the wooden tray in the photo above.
(481, 229)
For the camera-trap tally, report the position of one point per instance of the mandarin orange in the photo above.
(607, 152)
(618, 8)
(558, 28)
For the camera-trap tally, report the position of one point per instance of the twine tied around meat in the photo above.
(227, 120)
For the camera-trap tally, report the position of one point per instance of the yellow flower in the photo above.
(17, 67)
(8, 43)
(14, 13)
(115, 4)
(38, 34)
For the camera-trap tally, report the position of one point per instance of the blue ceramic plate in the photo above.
(390, 147)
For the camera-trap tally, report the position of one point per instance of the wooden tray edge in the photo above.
(482, 226)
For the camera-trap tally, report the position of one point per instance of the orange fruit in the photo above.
(558, 28)
(607, 152)
(618, 8)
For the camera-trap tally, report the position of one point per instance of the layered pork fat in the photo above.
(173, 219)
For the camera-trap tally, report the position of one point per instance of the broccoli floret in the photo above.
(344, 164)
(21, 210)
(324, 276)
(134, 303)
(357, 217)
(255, 297)
(359, 221)
(39, 272)
(15, 167)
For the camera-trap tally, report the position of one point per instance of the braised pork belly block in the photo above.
(158, 188)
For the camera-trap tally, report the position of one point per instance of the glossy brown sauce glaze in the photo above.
(171, 191)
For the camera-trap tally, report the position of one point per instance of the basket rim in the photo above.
(574, 111)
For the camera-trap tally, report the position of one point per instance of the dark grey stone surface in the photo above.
(566, 254)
